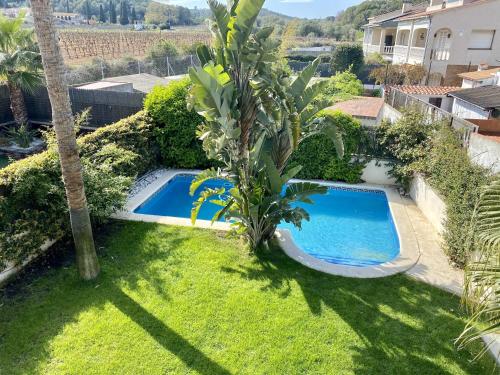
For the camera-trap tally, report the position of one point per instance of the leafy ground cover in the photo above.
(174, 300)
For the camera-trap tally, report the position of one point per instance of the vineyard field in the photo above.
(79, 46)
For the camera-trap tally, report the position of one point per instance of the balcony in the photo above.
(376, 48)
(416, 55)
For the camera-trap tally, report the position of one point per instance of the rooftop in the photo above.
(385, 17)
(143, 82)
(365, 107)
(431, 12)
(485, 97)
(426, 90)
(101, 85)
(480, 74)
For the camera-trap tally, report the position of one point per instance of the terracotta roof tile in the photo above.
(425, 90)
(366, 107)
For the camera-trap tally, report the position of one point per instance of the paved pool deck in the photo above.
(433, 266)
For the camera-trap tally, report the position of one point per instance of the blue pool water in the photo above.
(348, 226)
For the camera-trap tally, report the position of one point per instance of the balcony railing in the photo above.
(401, 101)
(401, 50)
(416, 54)
(388, 50)
(441, 54)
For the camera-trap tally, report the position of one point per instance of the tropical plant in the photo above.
(63, 121)
(255, 118)
(20, 64)
(21, 135)
(482, 275)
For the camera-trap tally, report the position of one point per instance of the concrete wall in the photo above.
(467, 110)
(377, 172)
(429, 202)
(390, 113)
(461, 21)
(485, 151)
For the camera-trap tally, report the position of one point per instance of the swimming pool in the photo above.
(348, 226)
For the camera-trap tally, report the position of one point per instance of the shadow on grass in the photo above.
(165, 336)
(408, 331)
(56, 300)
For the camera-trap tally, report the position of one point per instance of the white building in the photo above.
(446, 37)
(481, 97)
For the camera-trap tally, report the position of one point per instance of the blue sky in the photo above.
(296, 8)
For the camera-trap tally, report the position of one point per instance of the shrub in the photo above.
(450, 171)
(176, 126)
(318, 157)
(406, 142)
(347, 55)
(33, 206)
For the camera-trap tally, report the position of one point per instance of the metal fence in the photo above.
(402, 102)
(107, 107)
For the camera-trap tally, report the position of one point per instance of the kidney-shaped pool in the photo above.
(349, 225)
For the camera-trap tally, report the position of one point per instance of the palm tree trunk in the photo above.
(17, 104)
(62, 119)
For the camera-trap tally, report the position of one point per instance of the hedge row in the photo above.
(33, 207)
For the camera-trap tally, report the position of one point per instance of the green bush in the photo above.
(348, 56)
(33, 205)
(449, 170)
(318, 157)
(436, 152)
(176, 126)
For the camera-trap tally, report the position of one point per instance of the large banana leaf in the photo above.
(241, 23)
(302, 81)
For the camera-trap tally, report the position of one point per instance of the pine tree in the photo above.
(133, 16)
(102, 15)
(112, 12)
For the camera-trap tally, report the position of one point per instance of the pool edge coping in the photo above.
(409, 252)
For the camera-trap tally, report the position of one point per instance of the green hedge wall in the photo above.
(32, 198)
(175, 127)
(318, 157)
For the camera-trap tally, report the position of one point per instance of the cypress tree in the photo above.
(124, 13)
(67, 6)
(133, 16)
(112, 12)
(88, 10)
(102, 15)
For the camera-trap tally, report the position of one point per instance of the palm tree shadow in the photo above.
(165, 336)
(396, 329)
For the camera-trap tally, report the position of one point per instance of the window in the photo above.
(436, 102)
(481, 39)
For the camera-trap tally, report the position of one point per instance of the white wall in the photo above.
(461, 21)
(466, 110)
(485, 152)
(377, 172)
(429, 202)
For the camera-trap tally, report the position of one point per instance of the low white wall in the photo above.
(377, 172)
(429, 202)
(485, 152)
(391, 114)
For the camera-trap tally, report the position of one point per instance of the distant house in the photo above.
(367, 110)
(480, 97)
(434, 95)
(69, 18)
(142, 83)
(482, 77)
(446, 37)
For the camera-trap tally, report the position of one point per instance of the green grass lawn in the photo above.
(172, 300)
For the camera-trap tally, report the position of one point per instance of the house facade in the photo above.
(445, 37)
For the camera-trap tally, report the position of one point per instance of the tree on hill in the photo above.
(88, 11)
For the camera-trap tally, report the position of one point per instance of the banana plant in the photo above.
(256, 116)
(482, 274)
